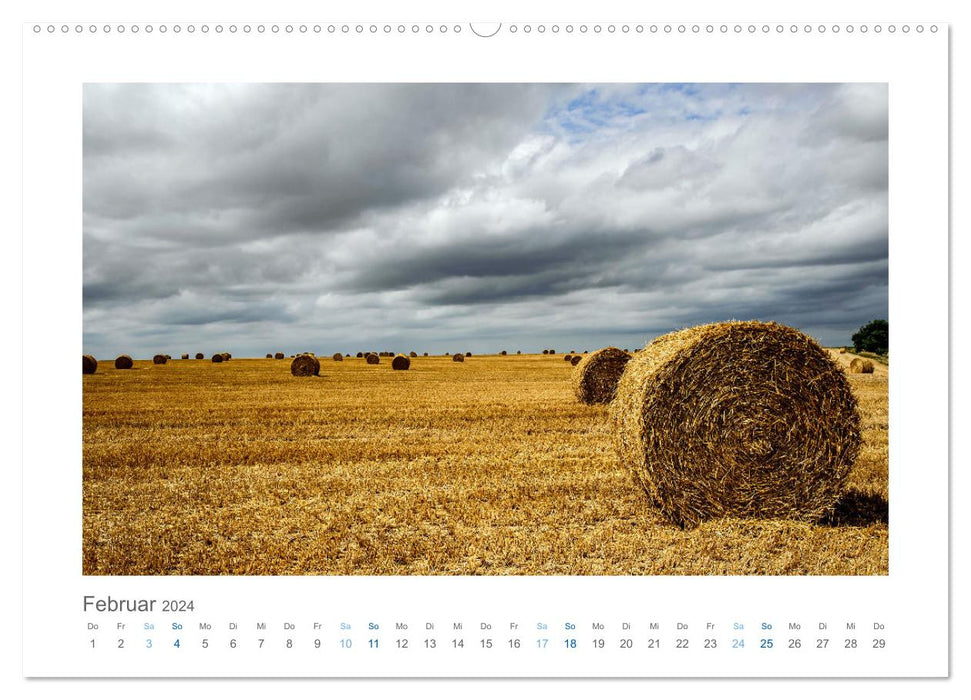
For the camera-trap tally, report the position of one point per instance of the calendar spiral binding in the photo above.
(486, 30)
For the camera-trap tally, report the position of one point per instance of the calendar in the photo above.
(440, 348)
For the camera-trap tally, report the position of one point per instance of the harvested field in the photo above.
(494, 468)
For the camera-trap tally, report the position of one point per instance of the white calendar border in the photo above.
(52, 309)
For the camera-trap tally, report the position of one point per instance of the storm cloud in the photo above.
(339, 217)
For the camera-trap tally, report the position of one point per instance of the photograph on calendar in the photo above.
(485, 329)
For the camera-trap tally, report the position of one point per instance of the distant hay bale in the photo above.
(546, 352)
(842, 351)
(123, 362)
(160, 359)
(218, 357)
(552, 352)
(360, 354)
(279, 356)
(305, 366)
(185, 356)
(89, 365)
(502, 352)
(738, 419)
(168, 357)
(468, 354)
(226, 356)
(413, 354)
(400, 362)
(568, 357)
(595, 378)
(269, 355)
(458, 357)
(424, 354)
(519, 352)
(372, 359)
(861, 366)
(200, 356)
(574, 352)
(338, 357)
(575, 360)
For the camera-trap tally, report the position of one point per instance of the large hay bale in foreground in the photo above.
(372, 359)
(860, 366)
(305, 366)
(458, 357)
(595, 378)
(740, 419)
(400, 362)
(218, 357)
(200, 356)
(160, 359)
(123, 362)
(89, 365)
(338, 357)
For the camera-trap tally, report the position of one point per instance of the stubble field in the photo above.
(484, 467)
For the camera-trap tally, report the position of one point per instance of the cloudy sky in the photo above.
(257, 218)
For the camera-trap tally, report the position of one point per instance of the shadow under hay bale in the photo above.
(458, 357)
(400, 362)
(124, 362)
(89, 365)
(858, 509)
(861, 366)
(372, 359)
(742, 419)
(305, 366)
(160, 360)
(595, 378)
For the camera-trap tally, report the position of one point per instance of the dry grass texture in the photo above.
(89, 365)
(740, 419)
(495, 469)
(595, 376)
(305, 366)
(860, 366)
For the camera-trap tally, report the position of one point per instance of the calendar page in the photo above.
(430, 347)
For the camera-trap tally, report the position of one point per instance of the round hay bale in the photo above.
(861, 366)
(123, 362)
(595, 378)
(400, 362)
(185, 356)
(519, 352)
(305, 366)
(200, 356)
(218, 357)
(424, 354)
(502, 352)
(468, 354)
(279, 356)
(413, 354)
(269, 355)
(360, 354)
(338, 357)
(546, 352)
(458, 357)
(160, 360)
(575, 360)
(552, 352)
(372, 359)
(89, 365)
(568, 357)
(226, 356)
(738, 419)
